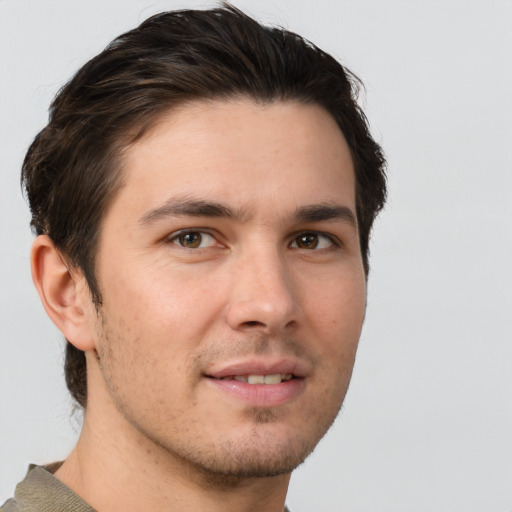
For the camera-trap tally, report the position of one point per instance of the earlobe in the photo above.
(60, 293)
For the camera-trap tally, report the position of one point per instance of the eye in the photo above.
(311, 241)
(193, 240)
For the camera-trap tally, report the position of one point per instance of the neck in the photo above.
(114, 467)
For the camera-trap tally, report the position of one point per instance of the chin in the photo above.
(240, 463)
(266, 449)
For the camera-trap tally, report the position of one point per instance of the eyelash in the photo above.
(176, 236)
(333, 242)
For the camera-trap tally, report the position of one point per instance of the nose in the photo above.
(263, 295)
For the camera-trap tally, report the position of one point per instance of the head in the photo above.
(75, 168)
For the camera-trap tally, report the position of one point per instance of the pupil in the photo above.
(309, 241)
(190, 239)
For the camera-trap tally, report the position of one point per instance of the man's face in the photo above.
(231, 258)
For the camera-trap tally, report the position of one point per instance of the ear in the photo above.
(63, 293)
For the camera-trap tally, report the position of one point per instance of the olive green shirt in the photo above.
(40, 491)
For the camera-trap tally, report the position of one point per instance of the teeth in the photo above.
(257, 379)
(276, 378)
(273, 379)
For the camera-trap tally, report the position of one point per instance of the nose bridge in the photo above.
(263, 293)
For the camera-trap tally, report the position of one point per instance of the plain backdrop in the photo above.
(427, 423)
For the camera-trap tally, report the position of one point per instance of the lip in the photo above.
(260, 367)
(259, 395)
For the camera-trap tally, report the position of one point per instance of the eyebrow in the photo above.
(180, 207)
(326, 212)
(190, 207)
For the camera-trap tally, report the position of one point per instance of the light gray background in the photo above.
(427, 424)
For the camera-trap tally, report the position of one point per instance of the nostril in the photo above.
(258, 313)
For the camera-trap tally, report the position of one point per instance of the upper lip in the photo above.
(259, 367)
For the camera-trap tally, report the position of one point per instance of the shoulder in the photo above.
(41, 491)
(9, 506)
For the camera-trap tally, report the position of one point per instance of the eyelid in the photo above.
(170, 239)
(335, 241)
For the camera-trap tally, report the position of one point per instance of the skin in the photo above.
(258, 286)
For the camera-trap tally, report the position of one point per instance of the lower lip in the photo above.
(260, 395)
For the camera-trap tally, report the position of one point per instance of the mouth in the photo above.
(260, 383)
(275, 378)
(260, 371)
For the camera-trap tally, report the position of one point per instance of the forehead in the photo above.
(241, 150)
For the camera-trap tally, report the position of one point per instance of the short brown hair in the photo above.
(72, 169)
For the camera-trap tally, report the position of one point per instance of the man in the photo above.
(203, 197)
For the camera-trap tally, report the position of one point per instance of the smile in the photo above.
(275, 378)
(259, 389)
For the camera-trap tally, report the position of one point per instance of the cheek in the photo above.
(154, 325)
(162, 297)
(338, 306)
(336, 317)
